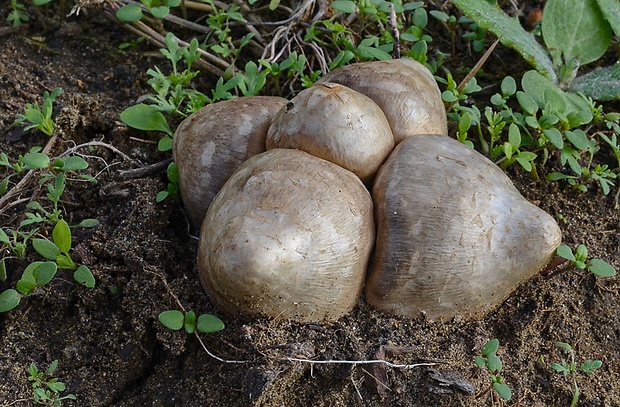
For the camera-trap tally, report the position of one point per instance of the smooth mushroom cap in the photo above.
(212, 143)
(336, 123)
(288, 236)
(404, 89)
(454, 236)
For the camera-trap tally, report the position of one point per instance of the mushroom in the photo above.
(454, 236)
(288, 236)
(404, 89)
(336, 123)
(210, 144)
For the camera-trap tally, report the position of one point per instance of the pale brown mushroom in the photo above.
(404, 89)
(212, 143)
(336, 123)
(454, 236)
(288, 236)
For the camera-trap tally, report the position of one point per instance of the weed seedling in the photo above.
(40, 118)
(579, 259)
(488, 359)
(175, 320)
(571, 368)
(46, 390)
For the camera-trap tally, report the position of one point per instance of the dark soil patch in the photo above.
(112, 351)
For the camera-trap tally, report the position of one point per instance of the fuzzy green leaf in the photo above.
(62, 236)
(83, 275)
(600, 84)
(480, 361)
(145, 117)
(490, 17)
(4, 238)
(36, 160)
(611, 11)
(46, 249)
(601, 268)
(9, 299)
(172, 319)
(208, 323)
(575, 30)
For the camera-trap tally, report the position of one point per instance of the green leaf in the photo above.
(130, 12)
(161, 195)
(344, 6)
(165, 144)
(145, 117)
(4, 185)
(601, 268)
(490, 17)
(208, 323)
(2, 270)
(46, 249)
(514, 136)
(611, 11)
(555, 137)
(509, 86)
(160, 11)
(4, 238)
(65, 262)
(88, 223)
(36, 160)
(565, 252)
(589, 366)
(480, 361)
(528, 103)
(490, 347)
(578, 138)
(62, 236)
(44, 273)
(172, 319)
(600, 84)
(74, 163)
(9, 299)
(495, 365)
(502, 390)
(575, 30)
(83, 275)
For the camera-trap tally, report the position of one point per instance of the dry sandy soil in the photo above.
(112, 351)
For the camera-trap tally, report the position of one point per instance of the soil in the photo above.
(111, 349)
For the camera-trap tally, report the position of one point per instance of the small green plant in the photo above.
(40, 118)
(579, 259)
(570, 368)
(172, 189)
(18, 15)
(47, 390)
(175, 320)
(488, 359)
(39, 273)
(574, 35)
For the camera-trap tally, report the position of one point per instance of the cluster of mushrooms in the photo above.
(353, 183)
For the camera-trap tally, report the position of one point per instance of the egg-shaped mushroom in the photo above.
(454, 236)
(336, 123)
(288, 236)
(212, 143)
(404, 89)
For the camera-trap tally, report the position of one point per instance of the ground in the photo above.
(111, 349)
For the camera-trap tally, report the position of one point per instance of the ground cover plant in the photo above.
(133, 332)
